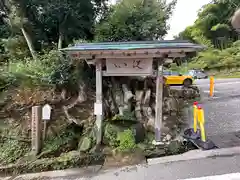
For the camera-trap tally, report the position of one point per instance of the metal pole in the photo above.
(159, 103)
(99, 115)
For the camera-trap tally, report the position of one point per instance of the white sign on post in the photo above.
(129, 66)
(97, 108)
(46, 112)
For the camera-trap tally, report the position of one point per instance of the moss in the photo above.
(110, 135)
(66, 141)
(126, 140)
(127, 116)
(12, 150)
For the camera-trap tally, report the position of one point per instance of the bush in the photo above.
(110, 135)
(36, 72)
(65, 141)
(214, 59)
(15, 48)
(126, 140)
(12, 150)
(50, 69)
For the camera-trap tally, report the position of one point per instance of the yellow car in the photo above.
(175, 78)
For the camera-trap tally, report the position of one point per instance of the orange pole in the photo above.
(211, 90)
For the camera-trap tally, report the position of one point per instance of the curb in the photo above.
(87, 171)
(196, 154)
(91, 170)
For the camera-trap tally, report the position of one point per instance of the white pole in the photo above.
(159, 104)
(99, 116)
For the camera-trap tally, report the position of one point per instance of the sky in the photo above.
(184, 15)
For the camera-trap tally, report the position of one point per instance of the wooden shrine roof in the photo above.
(131, 49)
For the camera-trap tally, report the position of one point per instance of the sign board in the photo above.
(128, 67)
(36, 129)
(97, 108)
(46, 112)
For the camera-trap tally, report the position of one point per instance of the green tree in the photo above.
(68, 19)
(213, 26)
(135, 20)
(51, 22)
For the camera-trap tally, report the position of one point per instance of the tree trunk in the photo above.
(80, 99)
(29, 43)
(60, 40)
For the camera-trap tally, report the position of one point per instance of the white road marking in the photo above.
(234, 176)
(224, 83)
(207, 91)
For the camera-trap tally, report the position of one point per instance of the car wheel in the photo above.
(187, 82)
(195, 77)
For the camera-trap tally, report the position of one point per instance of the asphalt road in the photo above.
(222, 111)
(169, 171)
(177, 170)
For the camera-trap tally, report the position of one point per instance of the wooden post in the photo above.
(98, 105)
(36, 129)
(44, 135)
(159, 103)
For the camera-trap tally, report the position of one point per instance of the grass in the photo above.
(229, 75)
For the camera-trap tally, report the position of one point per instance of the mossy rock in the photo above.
(111, 131)
(110, 135)
(85, 144)
(67, 140)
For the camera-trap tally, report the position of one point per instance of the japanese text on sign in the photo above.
(129, 66)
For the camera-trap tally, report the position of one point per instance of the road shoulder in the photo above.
(204, 158)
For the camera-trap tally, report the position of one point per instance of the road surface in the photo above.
(208, 168)
(221, 112)
(176, 170)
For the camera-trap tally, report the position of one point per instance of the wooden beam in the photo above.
(154, 74)
(98, 104)
(105, 74)
(143, 53)
(119, 56)
(150, 56)
(175, 55)
(134, 52)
